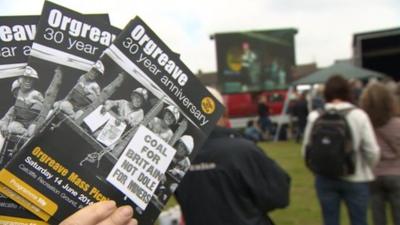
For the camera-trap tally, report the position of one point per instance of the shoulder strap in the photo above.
(346, 111)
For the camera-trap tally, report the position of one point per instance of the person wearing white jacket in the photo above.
(352, 189)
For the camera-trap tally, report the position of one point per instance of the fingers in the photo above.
(91, 215)
(122, 216)
(102, 213)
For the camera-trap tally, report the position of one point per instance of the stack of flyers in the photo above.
(126, 130)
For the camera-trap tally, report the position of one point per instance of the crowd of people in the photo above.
(373, 177)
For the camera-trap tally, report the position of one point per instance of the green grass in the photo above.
(304, 207)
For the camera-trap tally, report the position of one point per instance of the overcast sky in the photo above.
(325, 27)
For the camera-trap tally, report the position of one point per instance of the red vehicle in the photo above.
(245, 104)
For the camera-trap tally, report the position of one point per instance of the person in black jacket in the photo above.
(231, 181)
(300, 111)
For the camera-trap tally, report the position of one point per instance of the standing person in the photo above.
(300, 111)
(356, 90)
(351, 188)
(249, 68)
(231, 182)
(317, 99)
(379, 104)
(263, 116)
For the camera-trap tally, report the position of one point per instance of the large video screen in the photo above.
(380, 51)
(255, 61)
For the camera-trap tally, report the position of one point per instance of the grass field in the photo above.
(304, 208)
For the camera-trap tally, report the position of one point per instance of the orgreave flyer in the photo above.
(20, 109)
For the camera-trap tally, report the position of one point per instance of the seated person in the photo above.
(252, 132)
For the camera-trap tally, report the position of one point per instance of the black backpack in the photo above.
(329, 151)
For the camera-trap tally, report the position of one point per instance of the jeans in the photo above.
(331, 192)
(385, 189)
(265, 124)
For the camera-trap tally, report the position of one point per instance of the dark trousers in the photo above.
(331, 192)
(385, 189)
(300, 131)
(265, 124)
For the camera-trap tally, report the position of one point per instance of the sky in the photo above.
(325, 27)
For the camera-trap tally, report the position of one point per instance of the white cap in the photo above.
(187, 140)
(16, 84)
(99, 66)
(30, 72)
(143, 92)
(174, 110)
(216, 94)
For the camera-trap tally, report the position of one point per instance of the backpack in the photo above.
(329, 151)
